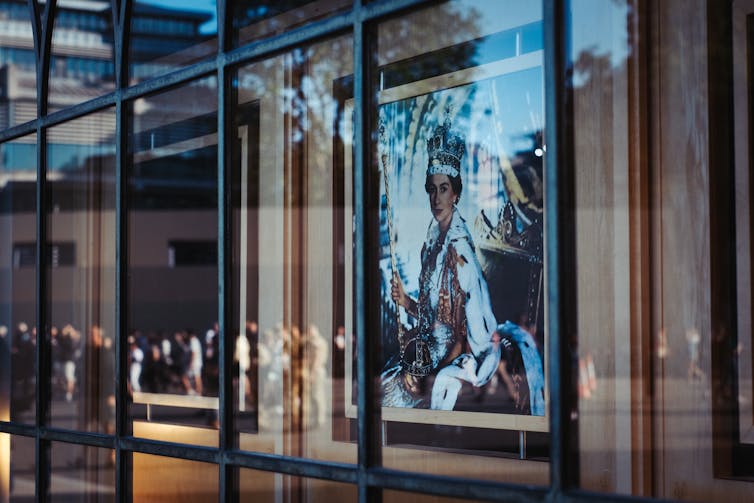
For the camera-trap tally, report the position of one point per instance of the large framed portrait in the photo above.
(461, 249)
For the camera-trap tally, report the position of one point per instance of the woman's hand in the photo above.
(397, 292)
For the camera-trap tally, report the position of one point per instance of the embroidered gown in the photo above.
(455, 320)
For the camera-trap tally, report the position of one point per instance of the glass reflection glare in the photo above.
(81, 272)
(169, 34)
(292, 127)
(81, 473)
(17, 274)
(173, 337)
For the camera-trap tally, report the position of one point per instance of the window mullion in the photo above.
(560, 253)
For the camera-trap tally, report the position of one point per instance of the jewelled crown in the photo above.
(445, 149)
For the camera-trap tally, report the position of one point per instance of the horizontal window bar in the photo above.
(77, 437)
(339, 472)
(182, 451)
(454, 487)
(588, 496)
(25, 430)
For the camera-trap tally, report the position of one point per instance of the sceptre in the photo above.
(384, 159)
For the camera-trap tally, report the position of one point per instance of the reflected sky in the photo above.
(208, 6)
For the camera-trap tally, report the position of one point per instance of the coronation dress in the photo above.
(455, 320)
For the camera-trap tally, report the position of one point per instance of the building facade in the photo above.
(376, 250)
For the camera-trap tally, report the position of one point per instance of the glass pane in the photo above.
(460, 150)
(169, 34)
(172, 259)
(600, 107)
(270, 487)
(159, 478)
(291, 124)
(81, 272)
(81, 473)
(17, 61)
(82, 65)
(255, 19)
(663, 225)
(16, 468)
(18, 196)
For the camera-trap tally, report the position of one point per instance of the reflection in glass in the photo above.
(16, 468)
(82, 65)
(290, 251)
(81, 272)
(265, 486)
(81, 473)
(462, 367)
(166, 36)
(172, 259)
(159, 478)
(610, 455)
(17, 65)
(18, 176)
(254, 19)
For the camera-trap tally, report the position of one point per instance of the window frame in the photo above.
(370, 478)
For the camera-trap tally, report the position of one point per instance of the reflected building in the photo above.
(82, 69)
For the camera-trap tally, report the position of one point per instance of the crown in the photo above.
(444, 150)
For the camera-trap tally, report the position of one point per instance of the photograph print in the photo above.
(461, 250)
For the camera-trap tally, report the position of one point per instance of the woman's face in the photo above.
(441, 198)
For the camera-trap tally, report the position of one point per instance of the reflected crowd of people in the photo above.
(181, 362)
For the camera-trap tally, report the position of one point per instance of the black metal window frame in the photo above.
(370, 478)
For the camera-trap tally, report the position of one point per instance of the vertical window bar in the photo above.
(369, 415)
(43, 44)
(228, 490)
(123, 458)
(559, 224)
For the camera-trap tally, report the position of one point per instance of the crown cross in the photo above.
(445, 150)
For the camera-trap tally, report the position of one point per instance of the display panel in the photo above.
(161, 478)
(16, 468)
(253, 20)
(82, 64)
(18, 290)
(166, 35)
(267, 486)
(172, 263)
(81, 473)
(459, 150)
(287, 262)
(476, 352)
(81, 272)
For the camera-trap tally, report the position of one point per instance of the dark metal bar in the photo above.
(77, 437)
(338, 472)
(369, 453)
(43, 357)
(123, 458)
(228, 488)
(24, 430)
(455, 487)
(560, 259)
(159, 448)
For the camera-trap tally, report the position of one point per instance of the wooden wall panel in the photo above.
(601, 136)
(681, 244)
